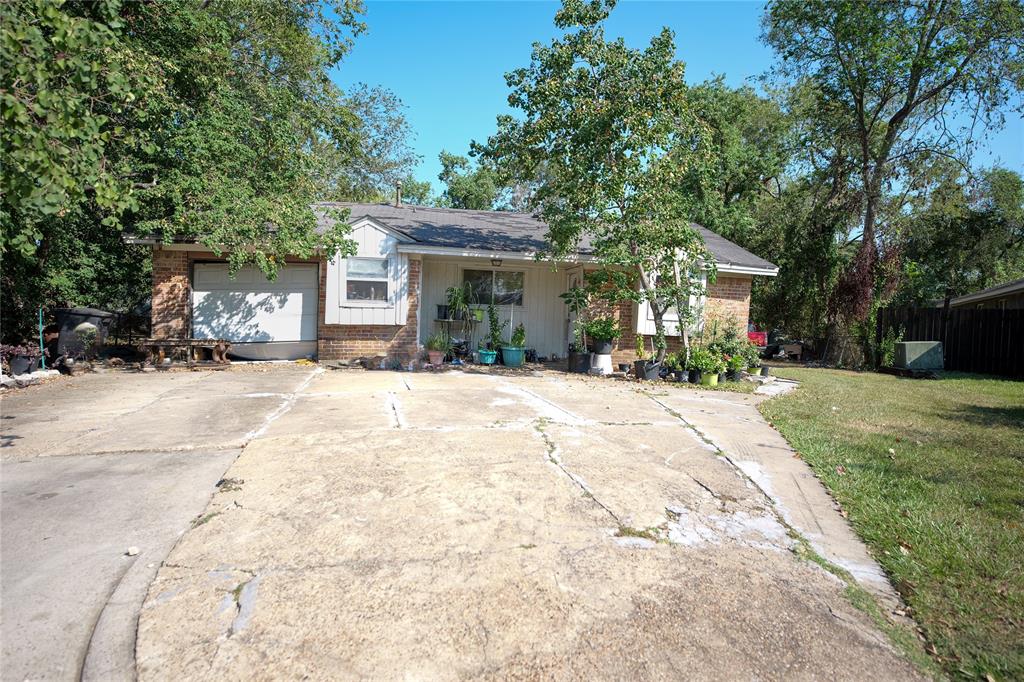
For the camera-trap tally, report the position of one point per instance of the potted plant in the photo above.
(644, 368)
(486, 355)
(21, 359)
(438, 345)
(578, 359)
(705, 364)
(514, 351)
(604, 331)
(458, 302)
(495, 327)
(674, 364)
(734, 366)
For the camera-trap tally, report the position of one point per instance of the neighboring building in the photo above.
(1009, 296)
(384, 299)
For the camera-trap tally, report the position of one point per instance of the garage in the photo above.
(263, 319)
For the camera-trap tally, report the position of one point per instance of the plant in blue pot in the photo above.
(513, 353)
(486, 355)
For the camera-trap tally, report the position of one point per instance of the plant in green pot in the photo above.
(705, 364)
(438, 345)
(603, 331)
(513, 353)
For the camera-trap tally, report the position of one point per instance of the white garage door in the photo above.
(264, 320)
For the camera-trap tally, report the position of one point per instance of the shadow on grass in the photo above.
(1011, 416)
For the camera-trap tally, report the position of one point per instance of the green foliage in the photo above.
(892, 86)
(929, 473)
(468, 185)
(495, 328)
(115, 120)
(606, 132)
(641, 348)
(705, 360)
(518, 339)
(602, 328)
(439, 341)
(416, 192)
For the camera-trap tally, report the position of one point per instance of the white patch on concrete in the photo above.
(762, 531)
(264, 395)
(636, 543)
(502, 402)
(286, 404)
(870, 573)
(246, 605)
(755, 472)
(393, 406)
(543, 407)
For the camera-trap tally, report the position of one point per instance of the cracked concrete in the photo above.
(464, 525)
(92, 465)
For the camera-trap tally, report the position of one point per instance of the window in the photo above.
(499, 287)
(366, 279)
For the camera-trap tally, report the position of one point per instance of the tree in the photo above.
(968, 235)
(467, 185)
(416, 192)
(891, 80)
(75, 98)
(611, 129)
(113, 117)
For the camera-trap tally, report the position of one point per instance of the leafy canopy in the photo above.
(608, 131)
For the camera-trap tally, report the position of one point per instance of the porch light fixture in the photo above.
(496, 262)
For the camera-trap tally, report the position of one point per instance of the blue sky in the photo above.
(447, 60)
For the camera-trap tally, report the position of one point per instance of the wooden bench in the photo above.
(188, 350)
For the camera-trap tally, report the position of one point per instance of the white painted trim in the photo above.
(504, 255)
(367, 220)
(729, 269)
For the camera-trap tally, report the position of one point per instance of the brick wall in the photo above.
(170, 294)
(345, 342)
(728, 299)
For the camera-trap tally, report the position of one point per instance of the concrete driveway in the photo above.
(395, 525)
(92, 466)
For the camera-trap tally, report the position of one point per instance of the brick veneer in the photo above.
(728, 299)
(171, 289)
(345, 342)
(170, 294)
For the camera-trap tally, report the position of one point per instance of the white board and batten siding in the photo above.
(543, 313)
(373, 241)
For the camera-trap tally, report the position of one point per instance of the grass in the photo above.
(931, 474)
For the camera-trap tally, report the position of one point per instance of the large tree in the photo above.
(113, 118)
(467, 184)
(898, 83)
(608, 130)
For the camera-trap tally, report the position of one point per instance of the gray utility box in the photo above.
(919, 355)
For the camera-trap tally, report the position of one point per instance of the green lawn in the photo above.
(931, 474)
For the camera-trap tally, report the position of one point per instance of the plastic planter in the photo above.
(647, 370)
(603, 347)
(23, 364)
(695, 376)
(512, 356)
(709, 379)
(487, 357)
(765, 370)
(436, 356)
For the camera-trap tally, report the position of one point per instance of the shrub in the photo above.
(439, 342)
(704, 359)
(602, 329)
(518, 337)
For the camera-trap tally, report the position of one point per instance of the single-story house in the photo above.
(383, 300)
(1008, 296)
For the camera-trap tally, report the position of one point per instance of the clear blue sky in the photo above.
(447, 60)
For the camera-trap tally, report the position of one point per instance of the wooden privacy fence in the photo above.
(973, 339)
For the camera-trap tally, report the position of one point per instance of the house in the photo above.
(384, 299)
(1008, 296)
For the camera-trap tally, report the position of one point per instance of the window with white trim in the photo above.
(500, 287)
(366, 279)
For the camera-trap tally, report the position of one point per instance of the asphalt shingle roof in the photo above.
(501, 230)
